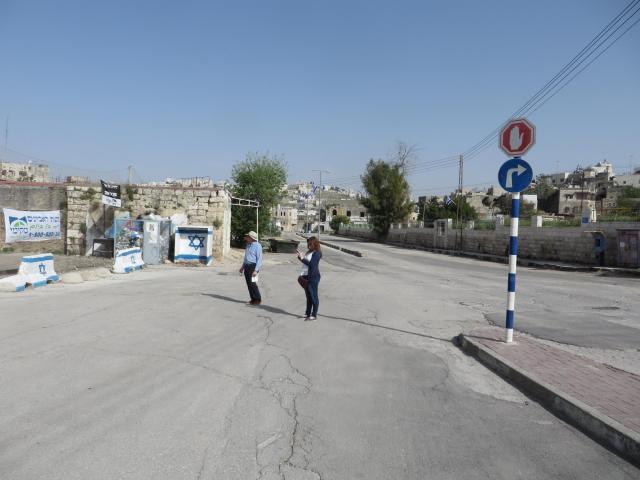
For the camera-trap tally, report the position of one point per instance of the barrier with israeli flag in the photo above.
(34, 270)
(194, 244)
(38, 270)
(15, 283)
(128, 260)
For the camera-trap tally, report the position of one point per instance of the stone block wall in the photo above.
(561, 244)
(203, 206)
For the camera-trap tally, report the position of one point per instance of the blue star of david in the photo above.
(43, 268)
(196, 241)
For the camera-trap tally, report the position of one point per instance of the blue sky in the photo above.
(188, 88)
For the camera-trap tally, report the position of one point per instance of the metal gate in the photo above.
(629, 248)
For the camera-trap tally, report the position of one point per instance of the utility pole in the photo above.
(320, 200)
(6, 134)
(581, 192)
(459, 203)
(130, 170)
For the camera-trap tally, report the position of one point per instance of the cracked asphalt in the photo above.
(166, 374)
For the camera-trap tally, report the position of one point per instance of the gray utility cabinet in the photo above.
(156, 240)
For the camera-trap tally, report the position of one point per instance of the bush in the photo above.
(337, 220)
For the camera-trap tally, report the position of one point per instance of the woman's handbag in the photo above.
(303, 282)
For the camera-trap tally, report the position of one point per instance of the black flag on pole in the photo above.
(111, 194)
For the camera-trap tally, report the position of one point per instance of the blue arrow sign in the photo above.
(515, 175)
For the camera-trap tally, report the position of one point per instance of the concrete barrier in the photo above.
(38, 270)
(14, 283)
(128, 260)
(34, 270)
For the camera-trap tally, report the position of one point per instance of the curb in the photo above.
(601, 428)
(8, 272)
(355, 253)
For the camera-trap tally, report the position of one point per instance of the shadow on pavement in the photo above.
(222, 297)
(393, 329)
(280, 311)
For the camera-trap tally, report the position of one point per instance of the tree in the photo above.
(258, 177)
(503, 203)
(629, 199)
(387, 193)
(337, 220)
(434, 210)
(544, 191)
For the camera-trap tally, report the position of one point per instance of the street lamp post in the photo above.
(320, 200)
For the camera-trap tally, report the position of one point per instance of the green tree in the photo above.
(503, 203)
(629, 198)
(545, 193)
(258, 177)
(434, 210)
(387, 193)
(337, 220)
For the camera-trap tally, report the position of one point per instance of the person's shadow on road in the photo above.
(280, 311)
(222, 297)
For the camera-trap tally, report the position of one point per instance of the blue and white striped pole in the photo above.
(513, 261)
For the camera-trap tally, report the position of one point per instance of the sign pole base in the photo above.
(509, 335)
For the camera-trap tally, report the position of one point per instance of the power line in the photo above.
(553, 86)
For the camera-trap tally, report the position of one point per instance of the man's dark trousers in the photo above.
(254, 292)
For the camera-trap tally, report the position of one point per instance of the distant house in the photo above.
(572, 200)
(24, 172)
(627, 180)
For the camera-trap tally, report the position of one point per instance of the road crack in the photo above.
(286, 384)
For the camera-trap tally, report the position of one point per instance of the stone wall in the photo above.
(561, 244)
(203, 206)
(31, 197)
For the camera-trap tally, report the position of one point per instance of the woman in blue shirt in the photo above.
(311, 273)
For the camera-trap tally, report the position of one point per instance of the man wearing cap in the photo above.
(251, 266)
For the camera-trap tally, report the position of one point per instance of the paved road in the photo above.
(576, 308)
(166, 374)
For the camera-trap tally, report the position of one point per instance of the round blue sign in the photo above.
(515, 175)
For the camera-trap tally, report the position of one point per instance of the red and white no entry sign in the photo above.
(517, 137)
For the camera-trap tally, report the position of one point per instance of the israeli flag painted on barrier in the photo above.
(38, 270)
(128, 260)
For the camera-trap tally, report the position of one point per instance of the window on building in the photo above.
(334, 212)
(361, 214)
(348, 213)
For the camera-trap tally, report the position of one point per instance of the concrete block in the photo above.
(95, 274)
(71, 278)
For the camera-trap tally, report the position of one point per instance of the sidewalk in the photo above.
(601, 400)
